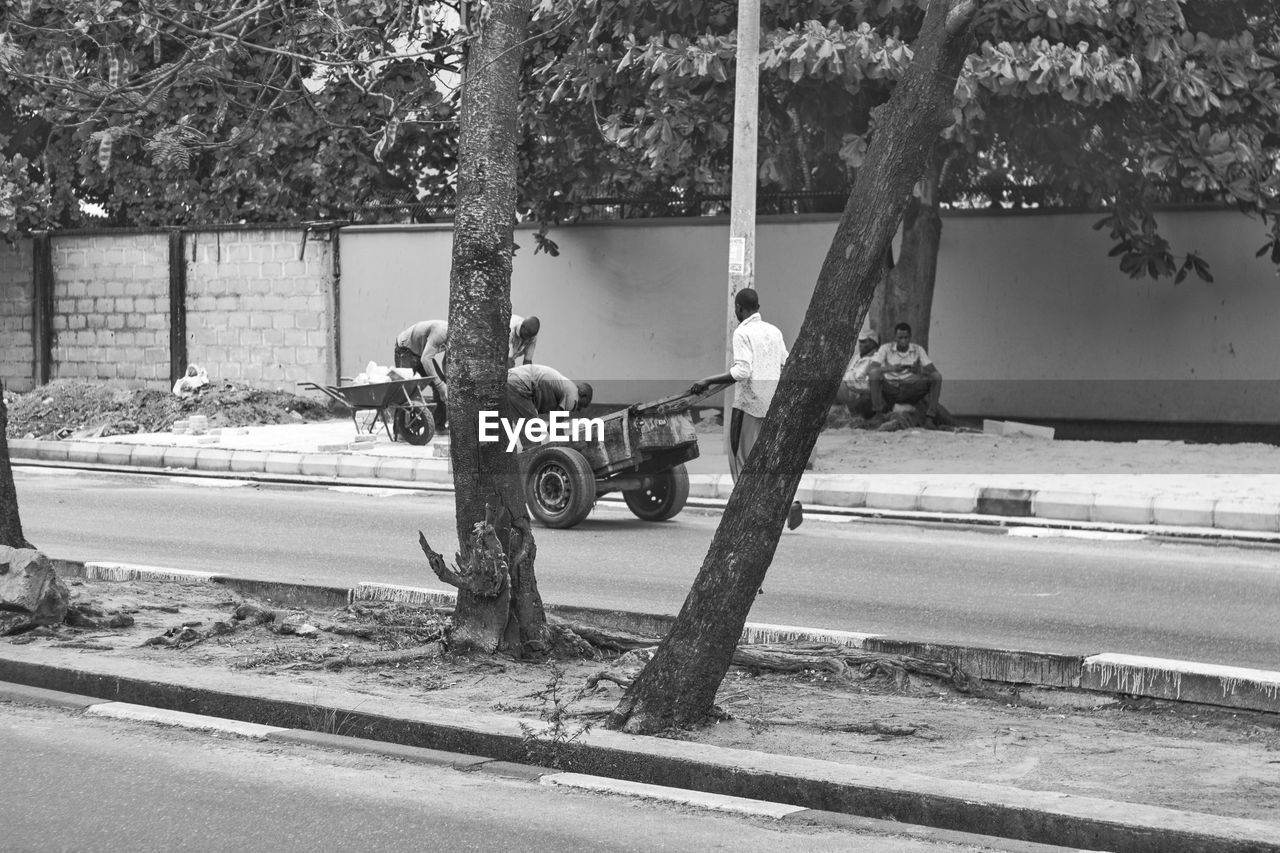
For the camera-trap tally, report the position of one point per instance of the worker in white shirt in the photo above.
(758, 355)
(523, 340)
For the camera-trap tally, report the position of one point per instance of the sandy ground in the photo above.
(940, 452)
(1185, 757)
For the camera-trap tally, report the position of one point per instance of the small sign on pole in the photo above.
(737, 255)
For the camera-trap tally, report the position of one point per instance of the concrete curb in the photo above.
(23, 694)
(804, 784)
(874, 496)
(1105, 672)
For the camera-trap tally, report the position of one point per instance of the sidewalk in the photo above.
(1242, 505)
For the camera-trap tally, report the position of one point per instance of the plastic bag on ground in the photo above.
(196, 378)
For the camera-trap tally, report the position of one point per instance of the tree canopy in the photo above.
(162, 113)
(166, 112)
(1085, 103)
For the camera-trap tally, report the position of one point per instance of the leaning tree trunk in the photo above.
(498, 603)
(678, 686)
(906, 293)
(10, 522)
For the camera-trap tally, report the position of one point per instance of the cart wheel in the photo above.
(664, 499)
(560, 486)
(414, 425)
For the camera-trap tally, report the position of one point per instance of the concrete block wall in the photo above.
(111, 308)
(17, 355)
(260, 306)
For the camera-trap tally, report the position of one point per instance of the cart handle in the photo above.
(680, 402)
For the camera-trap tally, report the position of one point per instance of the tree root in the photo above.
(399, 656)
(875, 727)
(183, 636)
(840, 660)
(602, 638)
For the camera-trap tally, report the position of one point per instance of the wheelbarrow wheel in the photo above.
(664, 499)
(559, 485)
(414, 424)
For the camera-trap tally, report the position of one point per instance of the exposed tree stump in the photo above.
(484, 570)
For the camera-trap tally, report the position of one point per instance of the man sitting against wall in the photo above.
(854, 391)
(901, 375)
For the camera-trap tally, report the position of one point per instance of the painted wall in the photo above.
(392, 276)
(1031, 318)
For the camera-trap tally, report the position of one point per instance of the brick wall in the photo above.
(111, 308)
(259, 306)
(17, 355)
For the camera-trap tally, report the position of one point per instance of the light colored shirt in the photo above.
(856, 374)
(898, 365)
(425, 339)
(547, 388)
(518, 347)
(758, 355)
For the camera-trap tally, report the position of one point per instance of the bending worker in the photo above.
(523, 339)
(535, 390)
(416, 349)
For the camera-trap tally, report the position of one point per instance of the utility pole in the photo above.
(742, 201)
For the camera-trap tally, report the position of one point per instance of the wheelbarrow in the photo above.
(642, 454)
(402, 406)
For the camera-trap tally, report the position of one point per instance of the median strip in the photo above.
(1105, 672)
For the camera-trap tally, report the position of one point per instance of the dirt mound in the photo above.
(77, 408)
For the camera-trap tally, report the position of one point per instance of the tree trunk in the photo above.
(906, 294)
(678, 687)
(498, 603)
(10, 521)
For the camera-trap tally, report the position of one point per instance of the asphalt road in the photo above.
(89, 784)
(975, 586)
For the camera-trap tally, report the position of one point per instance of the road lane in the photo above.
(86, 784)
(1218, 604)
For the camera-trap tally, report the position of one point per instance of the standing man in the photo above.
(758, 355)
(416, 348)
(524, 337)
(904, 373)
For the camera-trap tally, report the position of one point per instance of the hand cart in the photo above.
(402, 406)
(641, 454)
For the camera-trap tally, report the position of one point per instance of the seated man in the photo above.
(523, 340)
(535, 390)
(854, 391)
(904, 373)
(415, 349)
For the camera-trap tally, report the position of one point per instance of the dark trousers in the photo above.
(405, 357)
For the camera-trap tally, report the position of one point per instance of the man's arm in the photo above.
(719, 379)
(741, 368)
(924, 364)
(528, 351)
